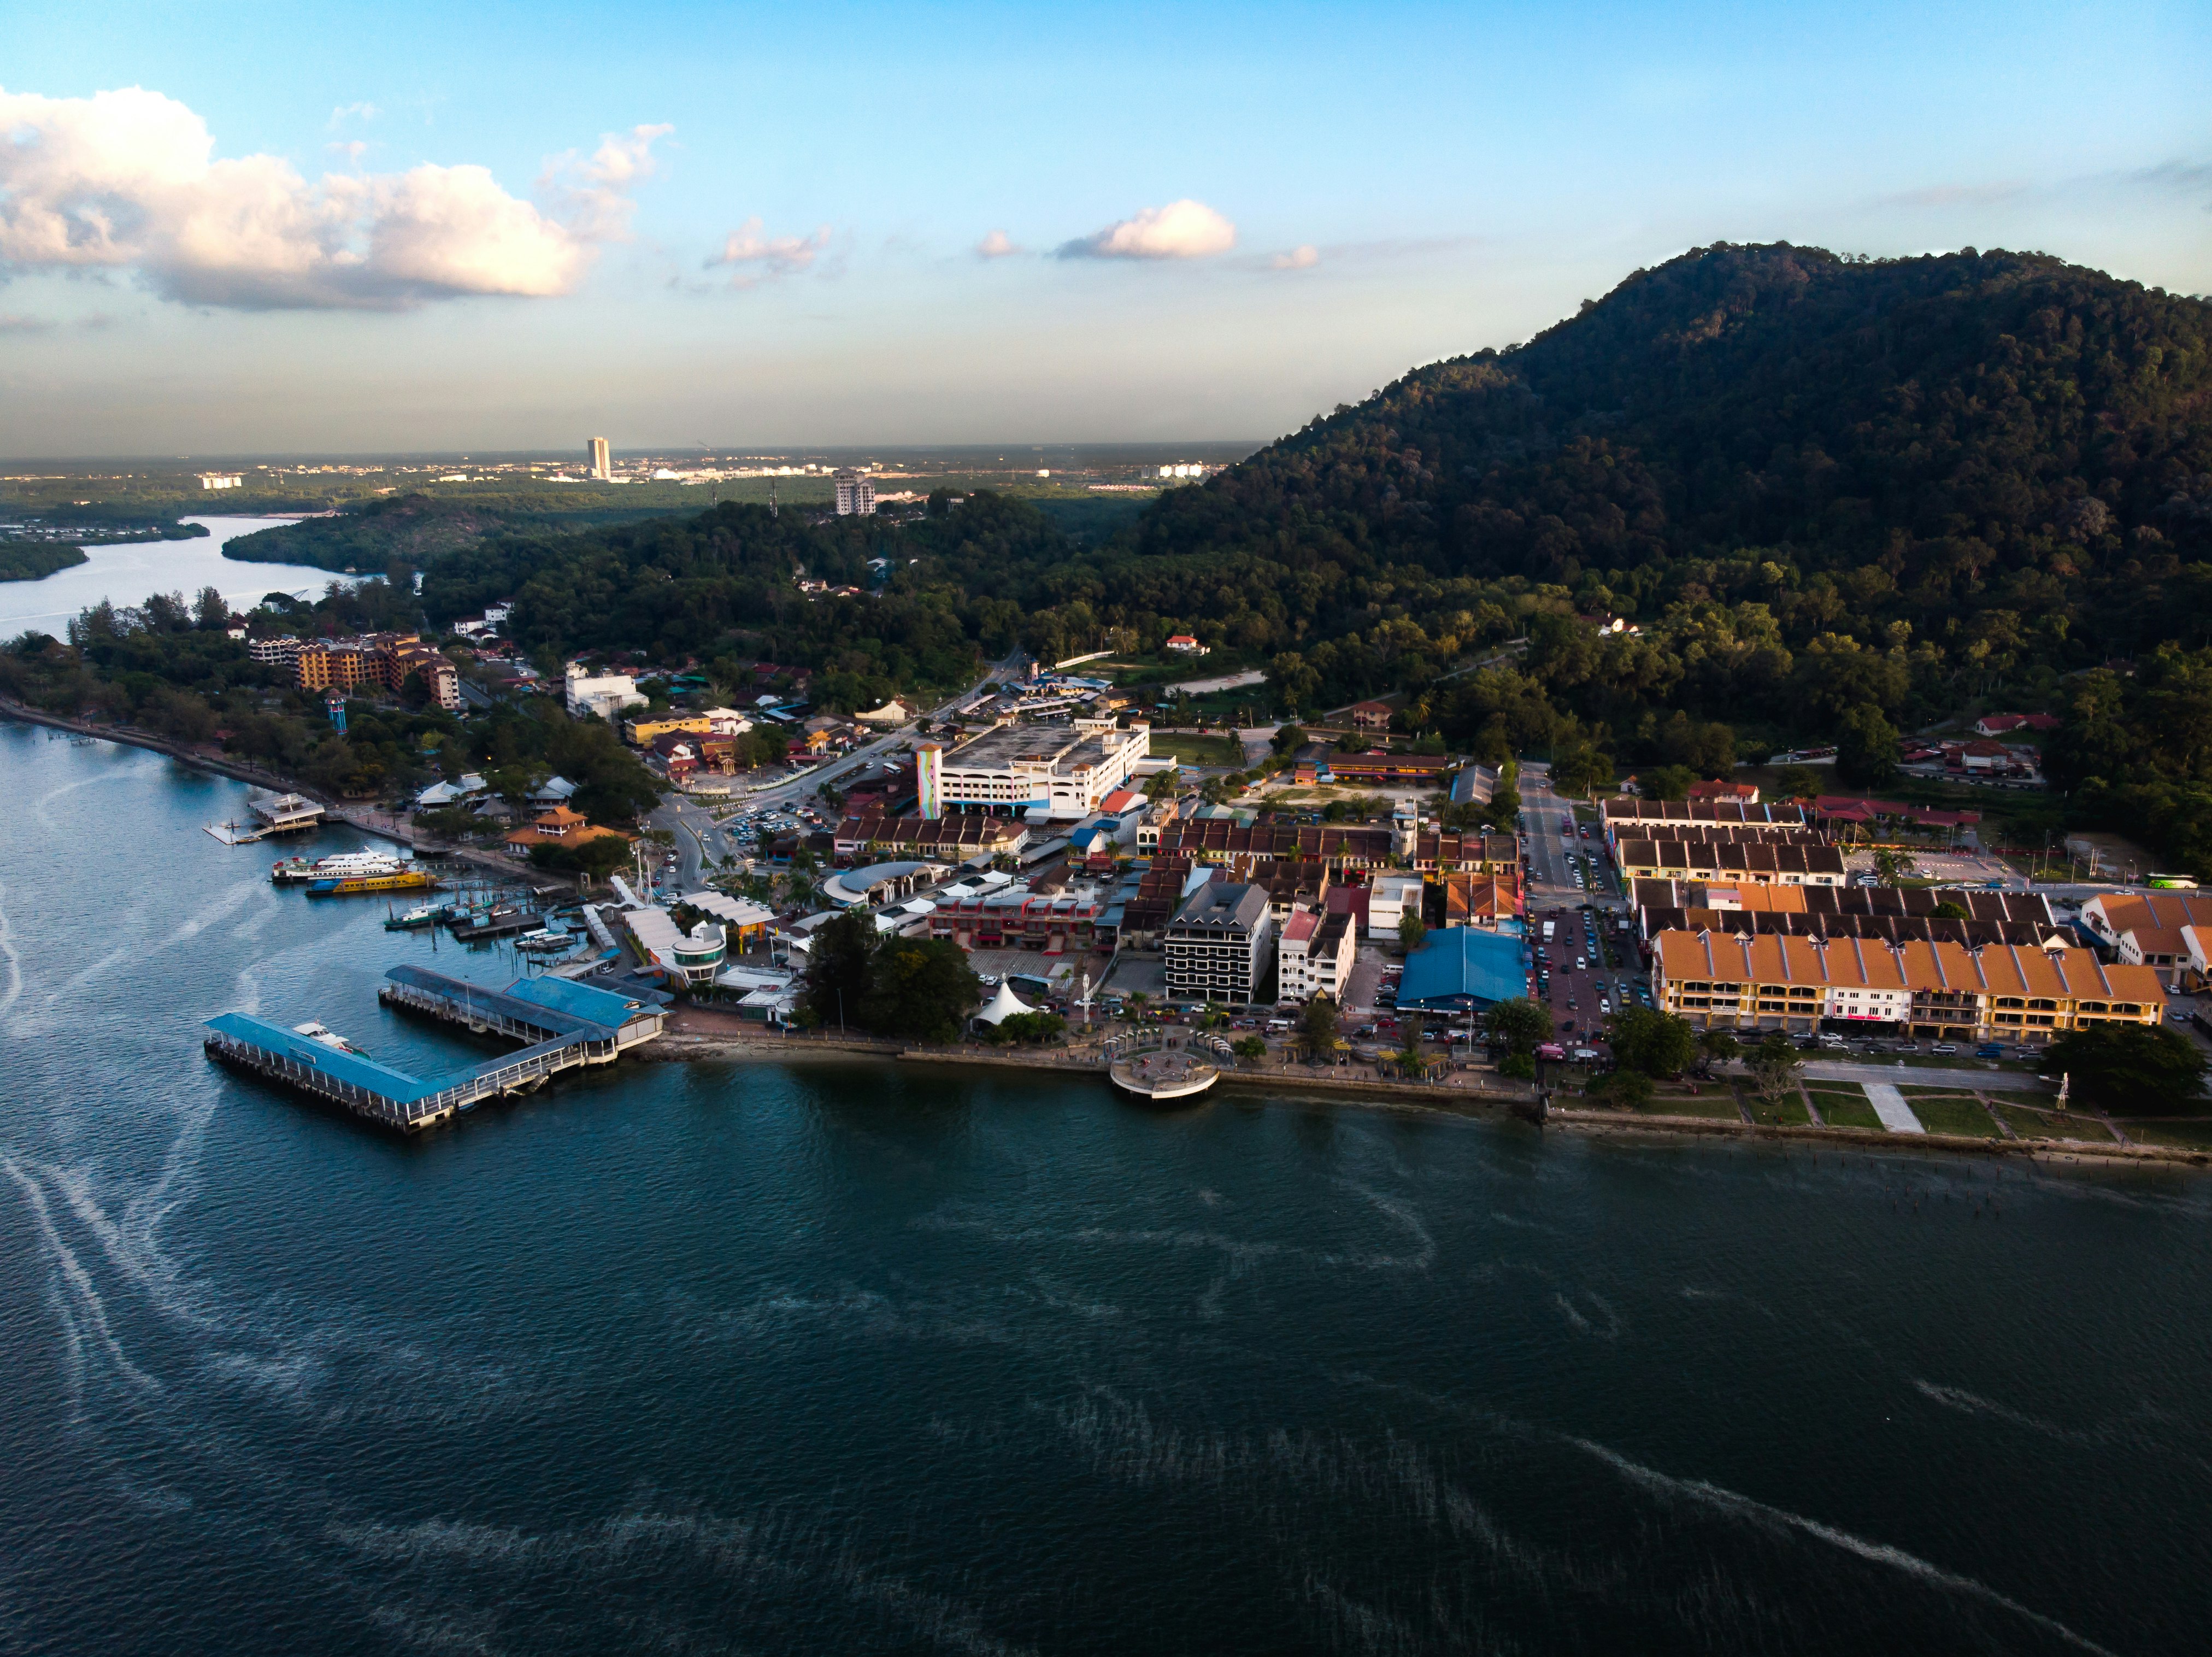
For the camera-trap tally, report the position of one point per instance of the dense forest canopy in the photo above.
(1831, 500)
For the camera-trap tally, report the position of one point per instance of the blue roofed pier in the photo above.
(562, 1023)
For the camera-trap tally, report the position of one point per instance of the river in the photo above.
(130, 572)
(823, 1355)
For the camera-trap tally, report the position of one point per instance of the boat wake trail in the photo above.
(9, 953)
(1778, 1519)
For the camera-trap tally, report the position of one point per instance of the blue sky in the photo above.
(1223, 218)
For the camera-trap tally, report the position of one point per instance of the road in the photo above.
(698, 835)
(1575, 994)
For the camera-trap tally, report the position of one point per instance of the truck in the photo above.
(1548, 929)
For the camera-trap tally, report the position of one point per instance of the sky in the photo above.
(246, 229)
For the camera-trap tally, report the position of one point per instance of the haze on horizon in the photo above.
(243, 229)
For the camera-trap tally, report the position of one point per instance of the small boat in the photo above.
(417, 918)
(327, 1036)
(546, 940)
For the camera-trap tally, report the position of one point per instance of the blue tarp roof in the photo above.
(351, 1068)
(586, 1001)
(1462, 965)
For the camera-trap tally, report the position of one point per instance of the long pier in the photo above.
(562, 1023)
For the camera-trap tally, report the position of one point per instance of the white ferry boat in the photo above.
(326, 1035)
(338, 866)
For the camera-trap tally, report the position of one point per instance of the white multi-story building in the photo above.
(856, 494)
(1389, 898)
(1314, 956)
(604, 695)
(221, 480)
(1062, 771)
(596, 452)
(1216, 945)
(275, 650)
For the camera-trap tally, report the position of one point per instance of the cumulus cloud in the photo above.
(127, 179)
(1298, 259)
(359, 112)
(754, 259)
(1182, 229)
(996, 245)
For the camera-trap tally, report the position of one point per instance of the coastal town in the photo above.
(1322, 904)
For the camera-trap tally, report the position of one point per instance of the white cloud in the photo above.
(755, 259)
(594, 196)
(996, 245)
(1182, 229)
(359, 112)
(1298, 259)
(128, 179)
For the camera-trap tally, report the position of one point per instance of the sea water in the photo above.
(823, 1355)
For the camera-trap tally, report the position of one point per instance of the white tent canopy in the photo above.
(1003, 1006)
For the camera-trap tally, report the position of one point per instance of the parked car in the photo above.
(1946, 1047)
(1989, 1050)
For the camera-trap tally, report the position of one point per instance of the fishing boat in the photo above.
(328, 1036)
(423, 915)
(546, 940)
(357, 886)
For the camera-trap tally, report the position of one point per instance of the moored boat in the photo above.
(355, 885)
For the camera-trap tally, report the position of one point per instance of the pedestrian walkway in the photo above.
(1889, 1104)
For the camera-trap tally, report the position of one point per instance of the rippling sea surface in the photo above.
(829, 1356)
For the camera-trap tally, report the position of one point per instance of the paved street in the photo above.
(1575, 994)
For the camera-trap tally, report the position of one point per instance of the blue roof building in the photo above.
(1464, 966)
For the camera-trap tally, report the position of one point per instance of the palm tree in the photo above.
(1891, 866)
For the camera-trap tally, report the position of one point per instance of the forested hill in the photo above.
(1944, 436)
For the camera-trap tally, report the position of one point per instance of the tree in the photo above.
(1715, 1047)
(1410, 1059)
(921, 989)
(1892, 866)
(1624, 1090)
(1412, 929)
(1774, 1067)
(1947, 911)
(1317, 1027)
(838, 959)
(1517, 1024)
(1867, 748)
(1668, 781)
(2146, 1070)
(1796, 782)
(1250, 1049)
(209, 611)
(1288, 739)
(1655, 1043)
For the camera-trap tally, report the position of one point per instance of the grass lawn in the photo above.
(2054, 1124)
(1789, 1111)
(1715, 1107)
(1845, 1110)
(2192, 1133)
(1954, 1115)
(1190, 750)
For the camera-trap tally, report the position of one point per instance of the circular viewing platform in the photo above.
(1162, 1077)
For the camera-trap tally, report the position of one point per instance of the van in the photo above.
(1277, 1026)
(1549, 926)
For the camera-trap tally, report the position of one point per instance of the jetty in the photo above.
(562, 1024)
(1164, 1077)
(284, 813)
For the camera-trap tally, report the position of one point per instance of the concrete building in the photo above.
(1314, 956)
(1062, 772)
(1217, 944)
(1389, 898)
(602, 696)
(1933, 988)
(1729, 863)
(2146, 929)
(856, 494)
(221, 480)
(595, 458)
(696, 956)
(274, 650)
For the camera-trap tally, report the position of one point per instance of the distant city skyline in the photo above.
(247, 231)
